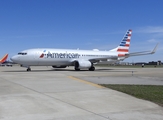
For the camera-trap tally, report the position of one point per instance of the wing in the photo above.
(96, 60)
(143, 52)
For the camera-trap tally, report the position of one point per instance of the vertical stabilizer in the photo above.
(123, 48)
(4, 58)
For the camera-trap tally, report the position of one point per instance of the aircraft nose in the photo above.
(14, 58)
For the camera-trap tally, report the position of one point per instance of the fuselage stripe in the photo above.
(122, 50)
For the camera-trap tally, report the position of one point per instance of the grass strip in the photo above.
(130, 66)
(152, 93)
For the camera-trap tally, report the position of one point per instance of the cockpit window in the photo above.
(21, 53)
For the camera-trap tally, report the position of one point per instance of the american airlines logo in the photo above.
(59, 55)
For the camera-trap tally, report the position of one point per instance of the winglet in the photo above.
(155, 48)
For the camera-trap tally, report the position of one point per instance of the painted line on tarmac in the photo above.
(83, 81)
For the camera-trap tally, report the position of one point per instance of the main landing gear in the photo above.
(77, 69)
(92, 68)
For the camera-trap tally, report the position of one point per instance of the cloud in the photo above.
(153, 41)
(89, 43)
(152, 34)
(32, 36)
(151, 29)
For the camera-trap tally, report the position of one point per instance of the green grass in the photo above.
(147, 92)
(132, 66)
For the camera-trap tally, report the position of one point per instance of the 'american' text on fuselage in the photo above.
(62, 55)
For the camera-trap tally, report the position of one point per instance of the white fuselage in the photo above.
(57, 57)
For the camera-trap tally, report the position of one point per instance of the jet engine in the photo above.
(61, 66)
(82, 64)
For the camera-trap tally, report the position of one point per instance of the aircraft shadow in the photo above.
(52, 70)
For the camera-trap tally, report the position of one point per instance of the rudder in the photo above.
(124, 46)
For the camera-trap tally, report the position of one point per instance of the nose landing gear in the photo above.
(26, 66)
(28, 69)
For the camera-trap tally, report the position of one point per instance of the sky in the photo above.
(83, 24)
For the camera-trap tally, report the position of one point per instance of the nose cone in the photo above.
(14, 58)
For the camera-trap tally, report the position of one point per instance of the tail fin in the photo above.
(4, 58)
(123, 48)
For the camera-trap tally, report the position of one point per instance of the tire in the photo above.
(28, 69)
(92, 68)
(77, 69)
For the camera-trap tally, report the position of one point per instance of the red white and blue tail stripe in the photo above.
(123, 48)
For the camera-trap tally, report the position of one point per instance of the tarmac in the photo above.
(65, 94)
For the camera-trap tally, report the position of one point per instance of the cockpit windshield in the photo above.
(22, 53)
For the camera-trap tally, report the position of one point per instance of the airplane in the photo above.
(8, 63)
(80, 59)
(3, 60)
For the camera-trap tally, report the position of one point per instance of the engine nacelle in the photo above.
(61, 66)
(83, 64)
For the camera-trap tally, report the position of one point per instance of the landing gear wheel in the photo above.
(92, 68)
(28, 69)
(77, 69)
